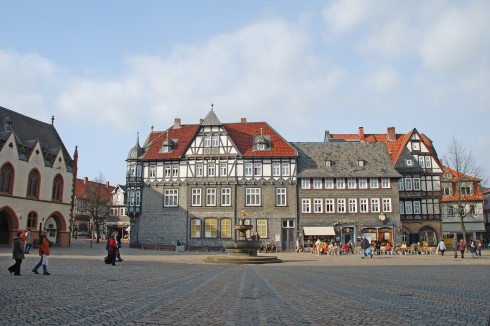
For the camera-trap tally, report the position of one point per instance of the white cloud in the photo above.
(458, 42)
(264, 65)
(383, 79)
(344, 16)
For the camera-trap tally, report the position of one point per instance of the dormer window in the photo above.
(168, 145)
(328, 163)
(361, 162)
(262, 142)
(409, 162)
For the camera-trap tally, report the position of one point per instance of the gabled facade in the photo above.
(118, 219)
(462, 197)
(191, 183)
(91, 198)
(36, 179)
(347, 190)
(414, 157)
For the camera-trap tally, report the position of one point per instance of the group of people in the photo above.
(22, 246)
(331, 248)
(474, 247)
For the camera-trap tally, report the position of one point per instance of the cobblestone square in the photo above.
(166, 288)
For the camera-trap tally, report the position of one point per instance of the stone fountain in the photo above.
(242, 250)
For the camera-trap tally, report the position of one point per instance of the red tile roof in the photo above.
(395, 147)
(82, 187)
(477, 193)
(242, 135)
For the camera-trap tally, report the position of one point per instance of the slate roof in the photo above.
(344, 157)
(28, 131)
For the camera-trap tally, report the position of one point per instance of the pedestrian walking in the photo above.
(441, 246)
(473, 248)
(44, 253)
(119, 245)
(112, 247)
(454, 244)
(479, 246)
(351, 246)
(17, 254)
(365, 248)
(462, 247)
(28, 244)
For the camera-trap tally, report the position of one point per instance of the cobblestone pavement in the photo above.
(166, 288)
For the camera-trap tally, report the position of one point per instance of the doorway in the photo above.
(288, 241)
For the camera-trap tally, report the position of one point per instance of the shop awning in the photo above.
(319, 230)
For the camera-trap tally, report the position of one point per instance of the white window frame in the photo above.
(428, 162)
(253, 196)
(211, 169)
(196, 197)
(223, 169)
(305, 183)
(225, 197)
(416, 184)
(402, 207)
(408, 184)
(317, 205)
(375, 207)
(363, 205)
(385, 183)
(330, 205)
(248, 169)
(317, 183)
(199, 169)
(351, 183)
(215, 141)
(167, 171)
(352, 205)
(363, 184)
(175, 170)
(285, 168)
(386, 202)
(417, 208)
(329, 184)
(171, 198)
(276, 169)
(401, 184)
(373, 183)
(210, 196)
(340, 183)
(153, 171)
(306, 206)
(422, 161)
(209, 231)
(257, 169)
(281, 197)
(408, 207)
(341, 205)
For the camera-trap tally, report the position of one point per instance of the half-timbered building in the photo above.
(193, 182)
(415, 158)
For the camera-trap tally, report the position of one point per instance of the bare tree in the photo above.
(98, 197)
(466, 179)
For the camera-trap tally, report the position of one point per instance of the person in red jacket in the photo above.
(112, 249)
(44, 253)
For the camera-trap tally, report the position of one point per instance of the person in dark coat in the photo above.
(17, 254)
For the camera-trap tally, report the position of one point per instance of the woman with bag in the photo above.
(44, 253)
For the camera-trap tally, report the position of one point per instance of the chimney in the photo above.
(107, 184)
(85, 180)
(327, 136)
(243, 120)
(201, 121)
(361, 133)
(391, 133)
(177, 123)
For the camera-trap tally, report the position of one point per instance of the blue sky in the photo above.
(109, 69)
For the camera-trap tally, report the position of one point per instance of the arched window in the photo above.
(7, 178)
(33, 183)
(57, 188)
(32, 220)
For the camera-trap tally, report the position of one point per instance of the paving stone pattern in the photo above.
(166, 288)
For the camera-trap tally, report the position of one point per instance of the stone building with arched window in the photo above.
(36, 179)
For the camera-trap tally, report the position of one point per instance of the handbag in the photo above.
(45, 260)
